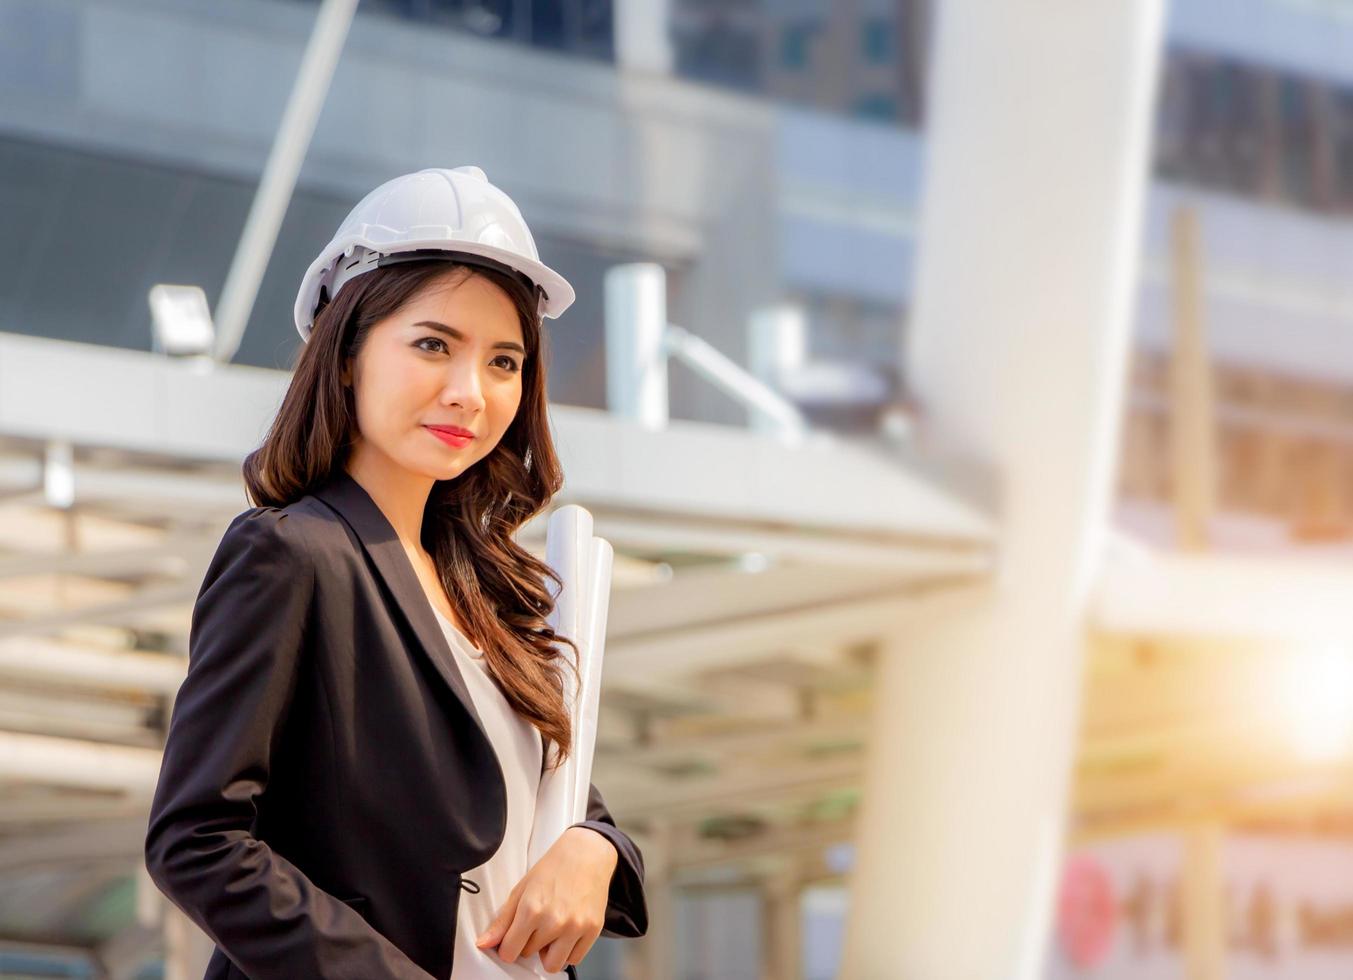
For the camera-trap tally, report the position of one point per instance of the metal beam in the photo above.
(269, 207)
(636, 660)
(77, 763)
(176, 411)
(759, 786)
(118, 839)
(69, 664)
(123, 611)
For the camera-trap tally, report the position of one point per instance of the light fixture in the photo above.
(58, 474)
(182, 320)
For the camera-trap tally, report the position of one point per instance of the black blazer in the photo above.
(326, 778)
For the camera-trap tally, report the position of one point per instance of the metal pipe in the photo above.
(75, 762)
(279, 175)
(711, 364)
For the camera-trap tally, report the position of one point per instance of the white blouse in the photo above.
(518, 747)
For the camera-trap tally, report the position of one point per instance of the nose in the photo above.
(464, 386)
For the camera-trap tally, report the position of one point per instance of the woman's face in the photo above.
(451, 358)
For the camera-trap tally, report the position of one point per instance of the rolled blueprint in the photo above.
(583, 563)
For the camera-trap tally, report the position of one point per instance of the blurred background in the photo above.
(983, 598)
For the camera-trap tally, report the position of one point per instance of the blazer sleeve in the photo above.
(626, 907)
(248, 634)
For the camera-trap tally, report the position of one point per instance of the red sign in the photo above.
(1087, 912)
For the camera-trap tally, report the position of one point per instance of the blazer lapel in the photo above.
(351, 501)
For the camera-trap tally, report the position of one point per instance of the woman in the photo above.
(351, 766)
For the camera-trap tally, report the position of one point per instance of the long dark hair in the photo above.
(498, 588)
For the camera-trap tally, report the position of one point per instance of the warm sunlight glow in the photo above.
(1316, 701)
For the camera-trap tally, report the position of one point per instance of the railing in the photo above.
(640, 340)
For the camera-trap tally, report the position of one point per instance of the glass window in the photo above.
(877, 40)
(719, 933)
(876, 105)
(796, 41)
(594, 33)
(1296, 127)
(577, 26)
(548, 28)
(713, 48)
(1343, 149)
(1235, 117)
(1172, 117)
(1209, 125)
(1208, 93)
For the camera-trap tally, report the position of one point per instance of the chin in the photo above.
(435, 472)
(442, 470)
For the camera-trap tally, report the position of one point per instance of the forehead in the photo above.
(472, 304)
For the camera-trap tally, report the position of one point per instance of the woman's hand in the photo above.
(559, 907)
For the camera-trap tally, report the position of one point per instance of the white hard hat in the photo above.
(429, 214)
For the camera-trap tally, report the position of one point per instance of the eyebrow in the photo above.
(452, 331)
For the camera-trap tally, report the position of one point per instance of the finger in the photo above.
(519, 931)
(556, 953)
(580, 950)
(546, 932)
(494, 933)
(552, 957)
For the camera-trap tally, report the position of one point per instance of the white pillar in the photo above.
(642, 38)
(777, 348)
(636, 351)
(1037, 138)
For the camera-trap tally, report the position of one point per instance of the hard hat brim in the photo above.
(557, 293)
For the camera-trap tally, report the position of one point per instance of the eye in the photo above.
(511, 364)
(435, 340)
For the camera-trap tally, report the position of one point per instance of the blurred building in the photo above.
(761, 153)
(855, 58)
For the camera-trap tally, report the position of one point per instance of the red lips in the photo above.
(453, 430)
